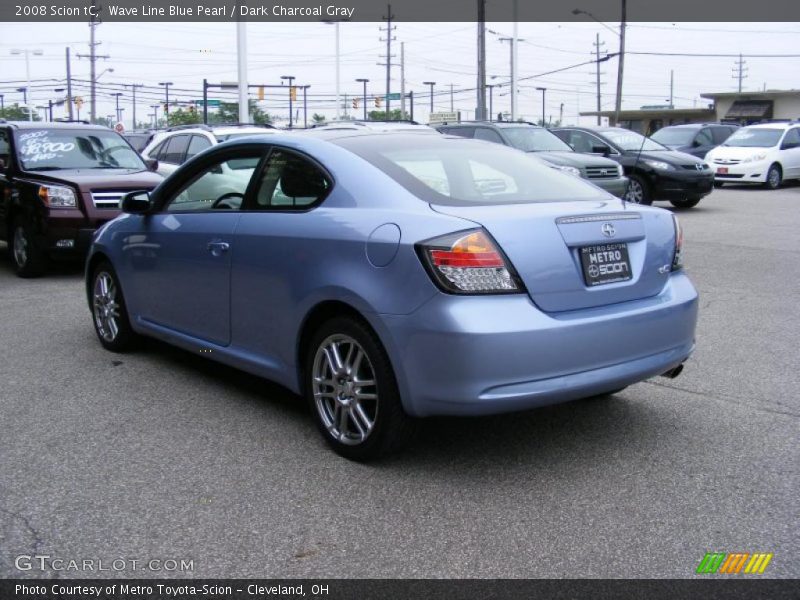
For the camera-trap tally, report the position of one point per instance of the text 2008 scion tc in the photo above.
(388, 276)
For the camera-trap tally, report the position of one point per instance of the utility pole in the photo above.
(671, 87)
(514, 41)
(69, 85)
(430, 83)
(290, 79)
(133, 87)
(451, 98)
(365, 82)
(241, 61)
(155, 115)
(402, 80)
(740, 71)
(389, 37)
(93, 57)
(621, 63)
(597, 45)
(305, 107)
(481, 87)
(491, 100)
(117, 95)
(544, 91)
(166, 85)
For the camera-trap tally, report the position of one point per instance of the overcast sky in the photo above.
(185, 53)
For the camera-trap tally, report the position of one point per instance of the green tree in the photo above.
(317, 118)
(15, 112)
(184, 117)
(228, 112)
(380, 115)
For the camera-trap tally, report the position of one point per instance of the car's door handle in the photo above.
(217, 248)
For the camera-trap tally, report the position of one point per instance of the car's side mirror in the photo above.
(151, 164)
(136, 203)
(601, 149)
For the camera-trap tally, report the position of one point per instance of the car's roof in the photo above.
(774, 125)
(499, 124)
(373, 126)
(53, 125)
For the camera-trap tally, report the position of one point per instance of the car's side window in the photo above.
(290, 181)
(703, 138)
(466, 132)
(5, 155)
(175, 152)
(489, 135)
(160, 150)
(720, 134)
(221, 186)
(197, 144)
(792, 137)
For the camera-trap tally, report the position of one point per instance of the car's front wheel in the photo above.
(685, 202)
(774, 177)
(638, 190)
(27, 253)
(110, 315)
(351, 388)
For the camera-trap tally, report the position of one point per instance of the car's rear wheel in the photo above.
(110, 315)
(351, 388)
(685, 202)
(638, 190)
(774, 177)
(27, 253)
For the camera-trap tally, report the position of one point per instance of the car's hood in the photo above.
(89, 179)
(672, 157)
(573, 159)
(737, 152)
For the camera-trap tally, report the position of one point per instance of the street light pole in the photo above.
(27, 52)
(364, 81)
(544, 90)
(431, 84)
(290, 78)
(166, 85)
(491, 87)
(241, 59)
(155, 115)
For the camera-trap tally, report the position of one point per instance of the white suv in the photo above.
(767, 153)
(176, 145)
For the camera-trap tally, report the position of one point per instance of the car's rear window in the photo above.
(461, 172)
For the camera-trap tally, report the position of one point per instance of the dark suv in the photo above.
(602, 172)
(655, 172)
(697, 139)
(59, 182)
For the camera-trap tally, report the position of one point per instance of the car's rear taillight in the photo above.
(469, 262)
(677, 262)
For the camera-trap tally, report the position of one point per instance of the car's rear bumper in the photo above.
(492, 354)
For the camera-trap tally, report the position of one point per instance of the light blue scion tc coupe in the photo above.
(388, 275)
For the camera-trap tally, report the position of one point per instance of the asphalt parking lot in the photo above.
(162, 454)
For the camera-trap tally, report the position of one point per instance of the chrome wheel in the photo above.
(345, 389)
(635, 192)
(106, 306)
(20, 246)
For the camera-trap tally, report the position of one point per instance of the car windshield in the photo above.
(755, 138)
(56, 149)
(630, 140)
(674, 136)
(535, 139)
(461, 172)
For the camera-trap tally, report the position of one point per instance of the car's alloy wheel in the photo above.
(345, 390)
(351, 389)
(108, 309)
(637, 191)
(774, 177)
(29, 258)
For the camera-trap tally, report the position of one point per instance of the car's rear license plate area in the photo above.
(605, 263)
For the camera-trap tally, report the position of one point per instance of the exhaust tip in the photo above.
(674, 372)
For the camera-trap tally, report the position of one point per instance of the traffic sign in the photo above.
(393, 96)
(210, 103)
(119, 128)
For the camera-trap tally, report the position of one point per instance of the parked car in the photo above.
(388, 276)
(696, 139)
(767, 153)
(602, 172)
(139, 139)
(176, 145)
(358, 125)
(655, 172)
(59, 182)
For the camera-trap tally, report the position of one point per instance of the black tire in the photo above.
(719, 184)
(638, 190)
(120, 338)
(28, 255)
(685, 202)
(338, 412)
(774, 177)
